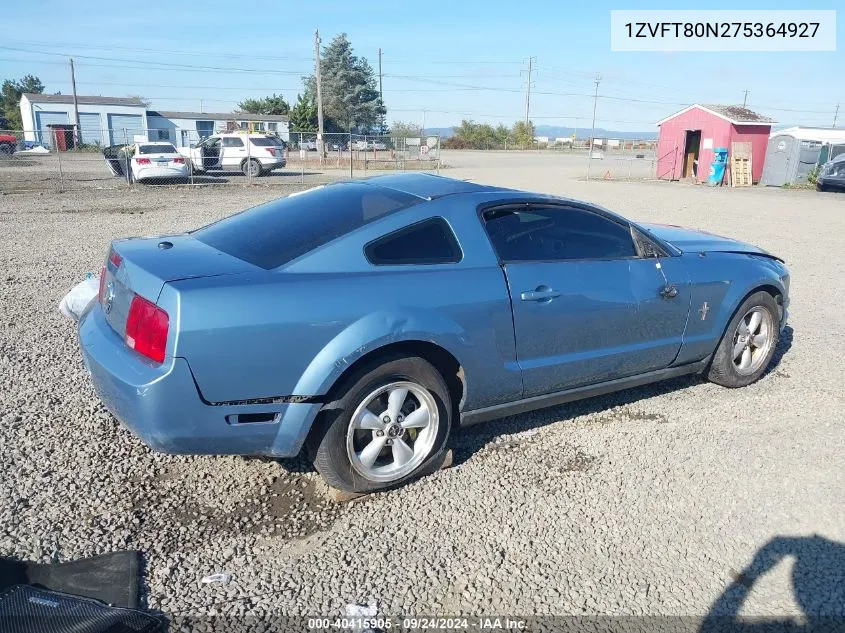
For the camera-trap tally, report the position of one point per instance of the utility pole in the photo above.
(319, 93)
(593, 132)
(836, 115)
(423, 125)
(78, 129)
(528, 90)
(380, 93)
(745, 98)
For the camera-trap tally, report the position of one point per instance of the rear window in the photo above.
(164, 148)
(264, 142)
(278, 232)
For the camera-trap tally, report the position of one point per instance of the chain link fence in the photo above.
(59, 159)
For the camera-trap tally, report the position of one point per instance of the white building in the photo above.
(107, 121)
(102, 119)
(184, 128)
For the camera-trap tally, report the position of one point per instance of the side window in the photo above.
(231, 141)
(556, 233)
(427, 242)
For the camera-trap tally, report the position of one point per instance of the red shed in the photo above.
(687, 138)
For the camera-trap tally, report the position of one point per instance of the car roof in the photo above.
(429, 186)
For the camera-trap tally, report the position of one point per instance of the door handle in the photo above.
(541, 293)
(669, 292)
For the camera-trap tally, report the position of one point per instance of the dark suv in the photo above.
(832, 174)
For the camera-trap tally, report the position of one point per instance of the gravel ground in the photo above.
(657, 500)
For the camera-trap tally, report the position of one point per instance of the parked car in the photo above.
(158, 160)
(310, 146)
(154, 160)
(363, 320)
(369, 145)
(8, 141)
(832, 174)
(253, 154)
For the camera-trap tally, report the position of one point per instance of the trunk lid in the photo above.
(695, 241)
(141, 266)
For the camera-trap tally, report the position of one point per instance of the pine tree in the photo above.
(303, 116)
(351, 100)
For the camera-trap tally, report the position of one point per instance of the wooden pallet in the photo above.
(740, 172)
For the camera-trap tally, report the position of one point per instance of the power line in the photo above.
(166, 66)
(194, 53)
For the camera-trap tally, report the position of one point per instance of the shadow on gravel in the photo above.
(818, 586)
(783, 346)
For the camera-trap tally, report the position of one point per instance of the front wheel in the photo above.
(389, 425)
(748, 344)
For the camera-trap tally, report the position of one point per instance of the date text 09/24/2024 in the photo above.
(490, 623)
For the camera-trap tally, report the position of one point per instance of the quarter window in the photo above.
(427, 242)
(556, 233)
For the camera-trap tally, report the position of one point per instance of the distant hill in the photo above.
(556, 131)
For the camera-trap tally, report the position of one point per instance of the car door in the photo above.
(233, 152)
(582, 297)
(210, 152)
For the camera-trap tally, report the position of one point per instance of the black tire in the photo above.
(7, 148)
(723, 370)
(327, 444)
(252, 168)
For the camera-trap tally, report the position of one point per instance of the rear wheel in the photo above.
(252, 168)
(389, 425)
(748, 344)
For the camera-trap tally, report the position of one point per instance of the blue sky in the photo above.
(436, 57)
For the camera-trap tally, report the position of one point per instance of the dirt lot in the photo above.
(678, 498)
(70, 171)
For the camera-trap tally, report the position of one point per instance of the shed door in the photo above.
(778, 158)
(91, 129)
(131, 123)
(42, 120)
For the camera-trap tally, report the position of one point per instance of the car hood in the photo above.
(695, 241)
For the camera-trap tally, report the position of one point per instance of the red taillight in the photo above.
(146, 329)
(143, 161)
(179, 161)
(272, 150)
(115, 259)
(102, 284)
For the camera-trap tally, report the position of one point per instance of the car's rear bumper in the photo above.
(273, 164)
(147, 173)
(163, 407)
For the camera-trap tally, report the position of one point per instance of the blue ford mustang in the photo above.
(362, 320)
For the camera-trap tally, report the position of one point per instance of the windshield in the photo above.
(275, 233)
(163, 148)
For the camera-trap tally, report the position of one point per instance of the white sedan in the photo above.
(157, 160)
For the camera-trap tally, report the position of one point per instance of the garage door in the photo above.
(91, 126)
(132, 123)
(42, 120)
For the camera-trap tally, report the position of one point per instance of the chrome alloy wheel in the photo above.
(392, 431)
(752, 340)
